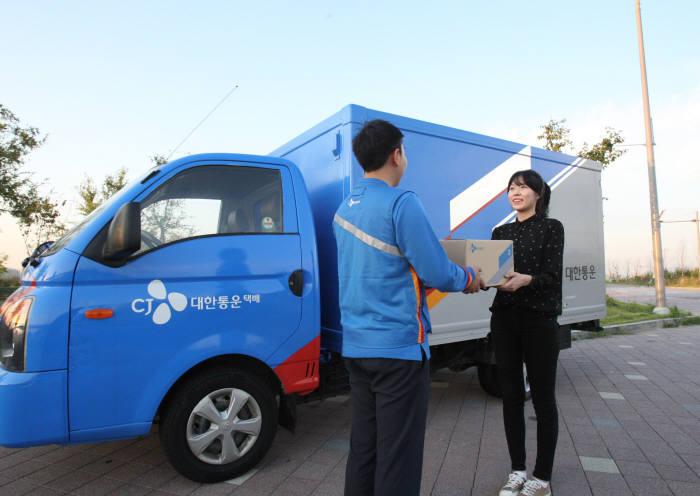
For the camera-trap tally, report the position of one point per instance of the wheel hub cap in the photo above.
(224, 426)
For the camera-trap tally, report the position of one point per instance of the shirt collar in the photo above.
(372, 180)
(529, 219)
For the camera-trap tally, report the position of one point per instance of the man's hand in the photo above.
(515, 281)
(476, 284)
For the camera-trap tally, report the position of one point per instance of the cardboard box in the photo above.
(494, 257)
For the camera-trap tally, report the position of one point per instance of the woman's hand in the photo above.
(515, 281)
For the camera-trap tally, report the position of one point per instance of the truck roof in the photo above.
(358, 115)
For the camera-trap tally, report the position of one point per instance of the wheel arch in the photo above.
(231, 361)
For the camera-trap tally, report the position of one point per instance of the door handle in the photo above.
(296, 282)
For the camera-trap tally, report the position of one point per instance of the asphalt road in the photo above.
(684, 298)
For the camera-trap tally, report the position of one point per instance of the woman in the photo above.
(524, 326)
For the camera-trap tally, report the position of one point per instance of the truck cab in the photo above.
(191, 295)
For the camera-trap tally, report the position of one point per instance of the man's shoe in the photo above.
(534, 488)
(513, 486)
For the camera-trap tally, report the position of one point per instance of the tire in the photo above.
(209, 438)
(488, 379)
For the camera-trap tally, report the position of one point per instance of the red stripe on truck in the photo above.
(299, 372)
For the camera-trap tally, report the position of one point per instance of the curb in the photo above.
(644, 325)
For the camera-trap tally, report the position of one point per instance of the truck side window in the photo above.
(212, 199)
(173, 219)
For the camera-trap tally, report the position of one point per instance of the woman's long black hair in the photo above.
(535, 182)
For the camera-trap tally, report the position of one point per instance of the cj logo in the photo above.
(162, 314)
(474, 247)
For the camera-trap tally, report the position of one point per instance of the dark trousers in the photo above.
(518, 336)
(389, 408)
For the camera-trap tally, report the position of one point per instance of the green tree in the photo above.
(88, 196)
(556, 137)
(112, 184)
(91, 198)
(36, 214)
(604, 152)
(159, 160)
(42, 224)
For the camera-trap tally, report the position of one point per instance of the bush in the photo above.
(7, 286)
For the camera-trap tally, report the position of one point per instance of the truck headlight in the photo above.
(13, 328)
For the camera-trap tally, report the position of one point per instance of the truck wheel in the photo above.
(219, 425)
(488, 379)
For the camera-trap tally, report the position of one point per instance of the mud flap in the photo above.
(288, 412)
(564, 337)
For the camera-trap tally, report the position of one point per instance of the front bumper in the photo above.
(33, 408)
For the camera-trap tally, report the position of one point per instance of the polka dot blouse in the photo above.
(538, 246)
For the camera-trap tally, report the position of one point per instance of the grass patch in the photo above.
(695, 320)
(677, 278)
(621, 312)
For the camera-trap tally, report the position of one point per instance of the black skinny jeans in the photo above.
(518, 336)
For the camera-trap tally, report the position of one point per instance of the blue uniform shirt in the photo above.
(387, 253)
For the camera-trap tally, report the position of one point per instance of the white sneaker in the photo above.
(513, 486)
(534, 488)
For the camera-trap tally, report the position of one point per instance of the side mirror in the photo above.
(124, 234)
(41, 249)
(32, 259)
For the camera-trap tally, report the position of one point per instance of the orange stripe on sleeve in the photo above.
(419, 301)
(469, 277)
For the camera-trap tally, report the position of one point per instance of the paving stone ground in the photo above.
(629, 425)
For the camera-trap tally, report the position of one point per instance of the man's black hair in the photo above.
(535, 182)
(375, 142)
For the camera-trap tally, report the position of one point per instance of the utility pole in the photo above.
(660, 281)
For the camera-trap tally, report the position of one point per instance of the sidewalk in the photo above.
(629, 425)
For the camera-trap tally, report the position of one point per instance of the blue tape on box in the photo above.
(505, 264)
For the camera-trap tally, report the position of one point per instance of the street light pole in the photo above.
(696, 220)
(697, 232)
(660, 308)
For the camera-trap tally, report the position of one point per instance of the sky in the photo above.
(111, 84)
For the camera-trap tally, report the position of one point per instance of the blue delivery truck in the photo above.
(204, 294)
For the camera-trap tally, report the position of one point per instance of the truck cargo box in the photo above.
(461, 178)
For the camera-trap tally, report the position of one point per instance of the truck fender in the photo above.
(206, 352)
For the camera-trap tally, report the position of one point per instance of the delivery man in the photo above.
(387, 253)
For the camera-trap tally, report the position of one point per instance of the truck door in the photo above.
(219, 243)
